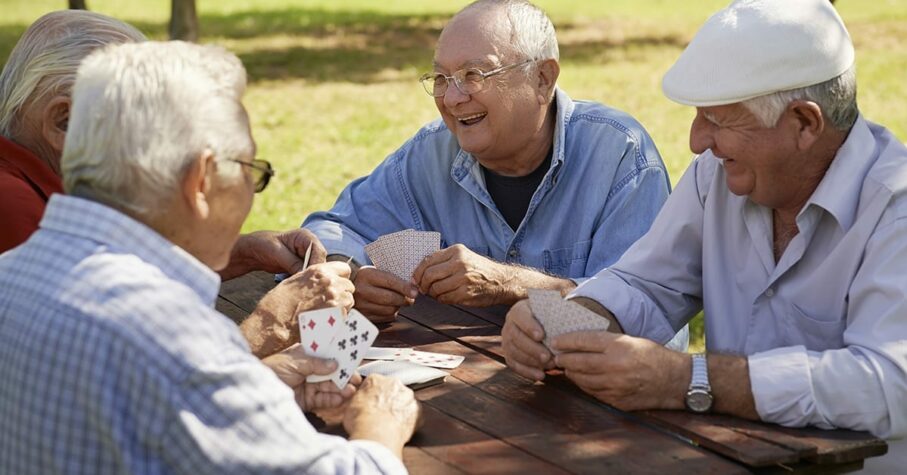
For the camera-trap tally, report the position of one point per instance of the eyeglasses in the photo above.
(468, 81)
(261, 172)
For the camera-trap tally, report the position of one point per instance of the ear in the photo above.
(549, 70)
(807, 118)
(196, 184)
(55, 121)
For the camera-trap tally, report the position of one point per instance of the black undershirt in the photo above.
(511, 194)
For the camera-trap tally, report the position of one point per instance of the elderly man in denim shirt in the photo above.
(528, 188)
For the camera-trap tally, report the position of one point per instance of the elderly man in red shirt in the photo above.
(34, 113)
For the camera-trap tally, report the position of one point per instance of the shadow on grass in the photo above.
(352, 46)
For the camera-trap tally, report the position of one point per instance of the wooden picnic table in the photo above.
(487, 419)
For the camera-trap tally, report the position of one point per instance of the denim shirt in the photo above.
(605, 185)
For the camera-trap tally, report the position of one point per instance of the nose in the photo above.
(702, 134)
(453, 96)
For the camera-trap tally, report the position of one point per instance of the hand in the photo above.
(292, 366)
(379, 295)
(521, 339)
(457, 275)
(626, 372)
(382, 410)
(273, 325)
(274, 252)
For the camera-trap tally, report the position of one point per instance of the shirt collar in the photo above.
(465, 163)
(30, 167)
(122, 234)
(839, 191)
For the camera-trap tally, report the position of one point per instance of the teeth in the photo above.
(470, 117)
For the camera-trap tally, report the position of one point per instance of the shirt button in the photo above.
(513, 253)
(770, 292)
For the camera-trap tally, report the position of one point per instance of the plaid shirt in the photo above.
(112, 360)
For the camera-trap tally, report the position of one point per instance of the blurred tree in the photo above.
(77, 5)
(183, 20)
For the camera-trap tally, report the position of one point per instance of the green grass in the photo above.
(333, 83)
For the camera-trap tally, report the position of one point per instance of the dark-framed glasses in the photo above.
(261, 172)
(468, 81)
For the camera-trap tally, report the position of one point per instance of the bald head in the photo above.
(515, 28)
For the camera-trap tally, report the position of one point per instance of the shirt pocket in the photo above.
(568, 261)
(814, 333)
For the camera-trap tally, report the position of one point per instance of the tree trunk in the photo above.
(77, 5)
(183, 21)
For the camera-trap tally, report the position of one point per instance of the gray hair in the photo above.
(532, 33)
(144, 112)
(837, 98)
(44, 61)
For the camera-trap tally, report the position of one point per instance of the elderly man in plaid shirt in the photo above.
(112, 358)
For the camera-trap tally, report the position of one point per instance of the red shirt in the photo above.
(26, 184)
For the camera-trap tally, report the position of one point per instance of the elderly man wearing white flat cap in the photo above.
(789, 229)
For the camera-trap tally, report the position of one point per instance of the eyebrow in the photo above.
(473, 63)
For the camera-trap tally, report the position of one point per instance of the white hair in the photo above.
(143, 112)
(837, 98)
(532, 33)
(44, 61)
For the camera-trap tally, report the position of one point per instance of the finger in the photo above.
(379, 296)
(526, 371)
(430, 260)
(436, 274)
(521, 316)
(590, 381)
(334, 267)
(386, 280)
(377, 313)
(452, 289)
(589, 341)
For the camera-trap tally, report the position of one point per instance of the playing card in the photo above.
(348, 347)
(401, 252)
(410, 374)
(317, 329)
(559, 316)
(437, 360)
(376, 353)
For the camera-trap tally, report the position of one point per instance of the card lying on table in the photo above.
(559, 316)
(411, 374)
(424, 358)
(401, 252)
(328, 334)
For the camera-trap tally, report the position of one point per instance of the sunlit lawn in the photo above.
(333, 83)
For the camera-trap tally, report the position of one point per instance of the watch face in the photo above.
(699, 400)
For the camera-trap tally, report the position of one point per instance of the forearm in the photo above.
(241, 260)
(518, 280)
(390, 437)
(265, 334)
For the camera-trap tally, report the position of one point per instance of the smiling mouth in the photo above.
(472, 119)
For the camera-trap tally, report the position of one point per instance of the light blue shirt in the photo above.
(604, 187)
(825, 329)
(113, 360)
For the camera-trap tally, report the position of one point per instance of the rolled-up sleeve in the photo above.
(368, 208)
(862, 386)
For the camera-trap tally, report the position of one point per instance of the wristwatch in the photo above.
(699, 396)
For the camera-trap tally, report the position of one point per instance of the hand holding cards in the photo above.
(559, 316)
(328, 334)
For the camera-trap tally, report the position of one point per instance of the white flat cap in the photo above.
(757, 47)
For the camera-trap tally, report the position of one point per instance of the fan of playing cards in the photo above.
(401, 252)
(559, 316)
(328, 334)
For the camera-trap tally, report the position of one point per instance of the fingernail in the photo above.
(413, 292)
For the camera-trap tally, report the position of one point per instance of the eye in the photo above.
(473, 76)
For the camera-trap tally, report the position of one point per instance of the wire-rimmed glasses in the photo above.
(468, 81)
